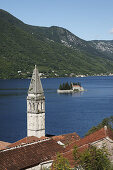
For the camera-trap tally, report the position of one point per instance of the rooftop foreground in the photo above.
(40, 152)
(3, 145)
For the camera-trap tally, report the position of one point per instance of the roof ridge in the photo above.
(26, 144)
(27, 139)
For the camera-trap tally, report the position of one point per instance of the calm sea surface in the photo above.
(65, 113)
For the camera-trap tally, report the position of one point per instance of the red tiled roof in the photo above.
(3, 145)
(98, 135)
(109, 133)
(29, 139)
(67, 138)
(29, 155)
(70, 157)
(33, 154)
(85, 142)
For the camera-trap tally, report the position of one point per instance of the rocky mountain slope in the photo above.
(55, 50)
(105, 47)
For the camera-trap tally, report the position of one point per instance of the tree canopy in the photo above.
(61, 163)
(65, 86)
(22, 46)
(92, 159)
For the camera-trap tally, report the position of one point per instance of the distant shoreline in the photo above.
(59, 77)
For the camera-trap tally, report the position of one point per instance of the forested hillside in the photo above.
(55, 50)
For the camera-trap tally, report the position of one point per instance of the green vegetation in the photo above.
(65, 86)
(78, 83)
(92, 159)
(61, 163)
(22, 46)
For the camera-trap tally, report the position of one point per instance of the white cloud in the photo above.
(111, 31)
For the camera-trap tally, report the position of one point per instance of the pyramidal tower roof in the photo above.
(35, 84)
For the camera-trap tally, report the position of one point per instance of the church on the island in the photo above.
(36, 152)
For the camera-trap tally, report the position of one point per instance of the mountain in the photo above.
(55, 50)
(105, 47)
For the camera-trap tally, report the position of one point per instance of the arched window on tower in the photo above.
(29, 106)
(34, 106)
(37, 108)
(41, 105)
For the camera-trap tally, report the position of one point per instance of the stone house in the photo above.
(100, 138)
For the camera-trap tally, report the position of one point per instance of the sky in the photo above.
(87, 19)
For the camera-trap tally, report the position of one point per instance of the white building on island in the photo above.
(77, 87)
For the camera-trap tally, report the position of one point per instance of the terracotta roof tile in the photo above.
(67, 138)
(3, 145)
(29, 155)
(85, 142)
(33, 154)
(69, 154)
(70, 157)
(29, 139)
(98, 135)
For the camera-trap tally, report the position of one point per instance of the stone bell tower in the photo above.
(35, 107)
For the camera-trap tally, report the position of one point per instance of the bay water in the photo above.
(65, 113)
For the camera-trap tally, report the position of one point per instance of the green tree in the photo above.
(92, 159)
(70, 85)
(60, 87)
(61, 163)
(63, 86)
(79, 84)
(67, 87)
(76, 156)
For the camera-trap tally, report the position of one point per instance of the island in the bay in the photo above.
(70, 88)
